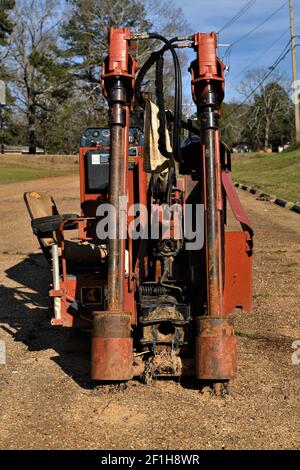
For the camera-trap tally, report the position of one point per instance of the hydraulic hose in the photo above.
(155, 57)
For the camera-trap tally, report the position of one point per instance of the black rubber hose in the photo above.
(143, 71)
(178, 95)
(158, 58)
(161, 108)
(148, 64)
(178, 86)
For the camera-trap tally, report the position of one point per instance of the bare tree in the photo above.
(269, 102)
(39, 79)
(233, 122)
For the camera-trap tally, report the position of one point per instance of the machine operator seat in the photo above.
(45, 223)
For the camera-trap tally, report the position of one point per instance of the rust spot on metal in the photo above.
(112, 348)
(215, 349)
(112, 359)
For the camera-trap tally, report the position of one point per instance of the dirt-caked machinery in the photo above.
(152, 271)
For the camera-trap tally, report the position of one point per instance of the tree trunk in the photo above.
(267, 133)
(31, 127)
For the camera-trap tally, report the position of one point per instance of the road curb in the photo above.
(270, 197)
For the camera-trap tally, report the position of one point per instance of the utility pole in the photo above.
(295, 81)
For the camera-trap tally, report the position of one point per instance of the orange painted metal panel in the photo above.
(238, 273)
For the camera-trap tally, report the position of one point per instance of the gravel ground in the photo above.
(49, 402)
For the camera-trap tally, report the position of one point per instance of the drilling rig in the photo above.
(153, 272)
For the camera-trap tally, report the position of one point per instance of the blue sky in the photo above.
(211, 15)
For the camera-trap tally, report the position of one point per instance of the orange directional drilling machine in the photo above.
(153, 271)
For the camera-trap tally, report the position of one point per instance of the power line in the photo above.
(240, 13)
(259, 25)
(254, 29)
(280, 58)
(263, 53)
(259, 56)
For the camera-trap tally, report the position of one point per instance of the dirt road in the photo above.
(49, 402)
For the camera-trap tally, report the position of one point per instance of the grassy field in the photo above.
(277, 173)
(13, 172)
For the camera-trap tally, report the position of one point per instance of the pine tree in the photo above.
(5, 23)
(41, 80)
(85, 35)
